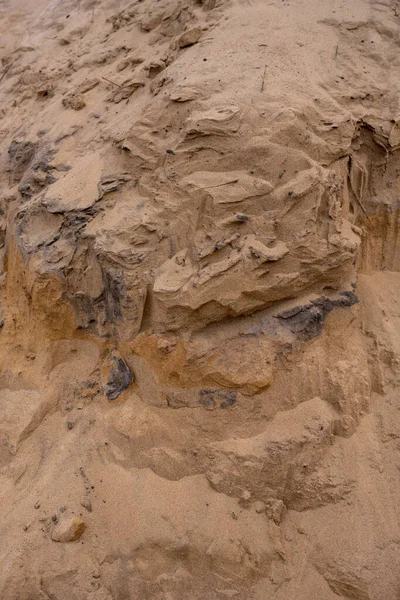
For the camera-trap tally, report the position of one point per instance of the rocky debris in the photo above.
(74, 101)
(86, 503)
(307, 321)
(119, 376)
(154, 67)
(121, 19)
(259, 507)
(275, 510)
(168, 18)
(68, 530)
(190, 37)
(216, 398)
(209, 399)
(152, 20)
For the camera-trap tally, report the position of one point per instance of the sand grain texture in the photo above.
(199, 293)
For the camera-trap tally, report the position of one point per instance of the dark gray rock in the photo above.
(307, 321)
(217, 398)
(120, 379)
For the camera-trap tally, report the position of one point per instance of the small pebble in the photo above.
(68, 530)
(301, 530)
(259, 507)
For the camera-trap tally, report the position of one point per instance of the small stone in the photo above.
(36, 505)
(259, 507)
(275, 510)
(301, 530)
(189, 37)
(246, 495)
(345, 426)
(120, 377)
(151, 21)
(123, 64)
(68, 530)
(86, 503)
(74, 101)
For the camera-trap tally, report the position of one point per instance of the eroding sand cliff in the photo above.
(200, 314)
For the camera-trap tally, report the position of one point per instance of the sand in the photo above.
(199, 300)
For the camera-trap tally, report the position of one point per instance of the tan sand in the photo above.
(200, 299)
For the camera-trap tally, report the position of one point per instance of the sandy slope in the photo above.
(200, 300)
